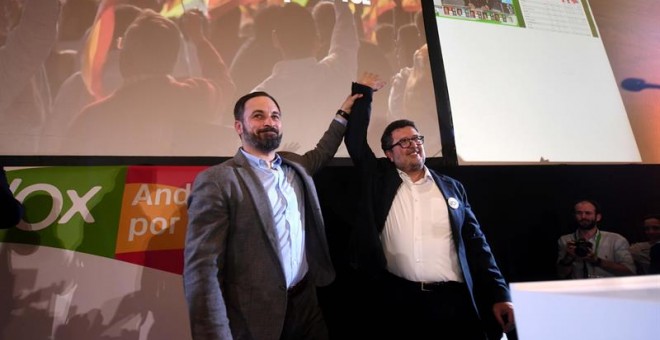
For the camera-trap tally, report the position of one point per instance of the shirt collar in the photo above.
(406, 179)
(257, 162)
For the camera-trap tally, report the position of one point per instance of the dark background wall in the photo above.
(522, 210)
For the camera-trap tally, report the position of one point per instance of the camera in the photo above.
(582, 247)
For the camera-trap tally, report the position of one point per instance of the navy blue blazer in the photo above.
(380, 181)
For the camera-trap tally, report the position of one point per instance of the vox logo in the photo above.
(78, 203)
(75, 208)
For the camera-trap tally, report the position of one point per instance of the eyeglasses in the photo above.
(408, 142)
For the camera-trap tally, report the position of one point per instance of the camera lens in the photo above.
(582, 248)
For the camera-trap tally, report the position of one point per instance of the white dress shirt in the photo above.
(417, 237)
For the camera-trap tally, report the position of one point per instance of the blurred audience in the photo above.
(224, 27)
(419, 99)
(386, 40)
(76, 18)
(307, 87)
(74, 94)
(255, 58)
(407, 42)
(28, 31)
(152, 113)
(324, 19)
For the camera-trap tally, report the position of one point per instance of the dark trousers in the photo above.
(409, 310)
(304, 319)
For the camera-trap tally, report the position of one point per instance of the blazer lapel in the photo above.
(456, 209)
(391, 183)
(311, 198)
(259, 198)
(454, 206)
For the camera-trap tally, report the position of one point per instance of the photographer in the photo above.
(590, 252)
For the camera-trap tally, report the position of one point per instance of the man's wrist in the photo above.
(343, 114)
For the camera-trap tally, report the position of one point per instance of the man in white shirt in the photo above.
(419, 238)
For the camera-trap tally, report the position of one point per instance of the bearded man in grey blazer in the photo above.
(255, 246)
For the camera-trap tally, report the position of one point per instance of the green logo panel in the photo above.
(75, 208)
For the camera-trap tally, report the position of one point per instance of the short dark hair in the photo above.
(151, 45)
(651, 215)
(385, 36)
(386, 140)
(265, 21)
(124, 17)
(296, 31)
(239, 107)
(590, 201)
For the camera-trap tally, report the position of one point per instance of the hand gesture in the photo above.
(193, 25)
(504, 315)
(570, 248)
(372, 80)
(348, 103)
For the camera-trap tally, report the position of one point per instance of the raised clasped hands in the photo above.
(372, 80)
(367, 79)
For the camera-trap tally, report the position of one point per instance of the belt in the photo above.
(436, 286)
(426, 286)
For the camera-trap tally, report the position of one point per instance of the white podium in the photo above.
(598, 309)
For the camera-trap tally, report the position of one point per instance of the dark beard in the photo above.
(589, 226)
(266, 143)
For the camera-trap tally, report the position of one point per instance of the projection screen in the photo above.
(505, 81)
(529, 81)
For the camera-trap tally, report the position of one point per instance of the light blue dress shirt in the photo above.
(286, 197)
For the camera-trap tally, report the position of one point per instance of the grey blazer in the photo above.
(233, 281)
